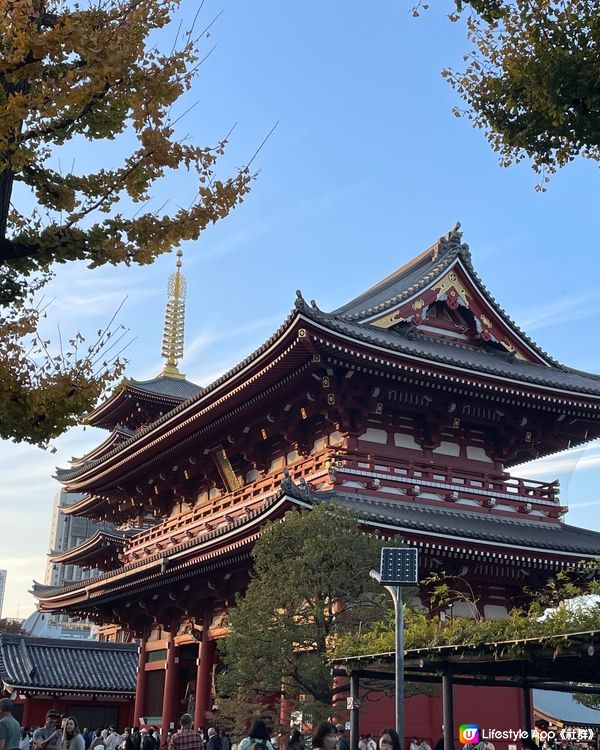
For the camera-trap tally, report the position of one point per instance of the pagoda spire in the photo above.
(172, 344)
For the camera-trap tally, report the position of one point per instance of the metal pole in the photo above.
(448, 711)
(354, 712)
(396, 593)
(526, 704)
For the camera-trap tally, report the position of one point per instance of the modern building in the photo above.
(410, 405)
(66, 533)
(3, 575)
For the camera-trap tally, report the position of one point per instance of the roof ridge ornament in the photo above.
(173, 332)
(450, 241)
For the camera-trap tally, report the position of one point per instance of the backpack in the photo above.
(258, 744)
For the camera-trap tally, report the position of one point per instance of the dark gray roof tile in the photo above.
(67, 664)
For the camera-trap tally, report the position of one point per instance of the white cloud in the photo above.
(566, 310)
(581, 459)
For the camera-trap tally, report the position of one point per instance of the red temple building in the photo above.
(409, 405)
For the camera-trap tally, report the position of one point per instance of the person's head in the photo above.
(340, 728)
(186, 721)
(150, 731)
(98, 732)
(5, 706)
(258, 730)
(70, 728)
(324, 736)
(52, 718)
(389, 740)
(136, 730)
(296, 736)
(212, 732)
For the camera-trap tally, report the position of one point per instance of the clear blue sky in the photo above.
(366, 168)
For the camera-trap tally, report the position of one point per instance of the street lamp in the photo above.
(398, 568)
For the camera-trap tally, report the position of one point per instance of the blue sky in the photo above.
(366, 168)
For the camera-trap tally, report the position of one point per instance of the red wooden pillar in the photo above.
(140, 688)
(203, 678)
(171, 688)
(26, 720)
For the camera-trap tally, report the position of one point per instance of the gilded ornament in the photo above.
(451, 282)
(388, 320)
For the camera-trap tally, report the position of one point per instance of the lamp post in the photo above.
(398, 568)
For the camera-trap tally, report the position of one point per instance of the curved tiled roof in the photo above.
(166, 385)
(67, 664)
(482, 359)
(419, 274)
(458, 523)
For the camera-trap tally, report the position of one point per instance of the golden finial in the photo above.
(172, 346)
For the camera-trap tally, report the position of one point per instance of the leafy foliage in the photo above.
(531, 81)
(311, 585)
(43, 391)
(546, 616)
(68, 75)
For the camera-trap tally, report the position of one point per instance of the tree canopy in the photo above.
(311, 585)
(71, 75)
(531, 79)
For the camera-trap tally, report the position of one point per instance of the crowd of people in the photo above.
(63, 733)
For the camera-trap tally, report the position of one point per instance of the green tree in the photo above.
(70, 75)
(531, 80)
(311, 585)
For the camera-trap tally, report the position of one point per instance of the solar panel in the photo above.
(399, 566)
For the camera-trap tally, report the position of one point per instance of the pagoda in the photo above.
(409, 405)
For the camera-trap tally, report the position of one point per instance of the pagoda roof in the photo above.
(59, 666)
(466, 357)
(541, 543)
(365, 330)
(420, 274)
(118, 434)
(95, 551)
(163, 391)
(460, 525)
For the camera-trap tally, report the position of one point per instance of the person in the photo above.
(414, 744)
(439, 745)
(324, 737)
(10, 729)
(226, 741)
(113, 739)
(72, 739)
(151, 742)
(214, 741)
(362, 742)
(48, 737)
(258, 737)
(424, 745)
(372, 745)
(389, 740)
(98, 741)
(295, 741)
(186, 738)
(136, 738)
(25, 743)
(343, 743)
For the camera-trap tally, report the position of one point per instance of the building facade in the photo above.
(409, 405)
